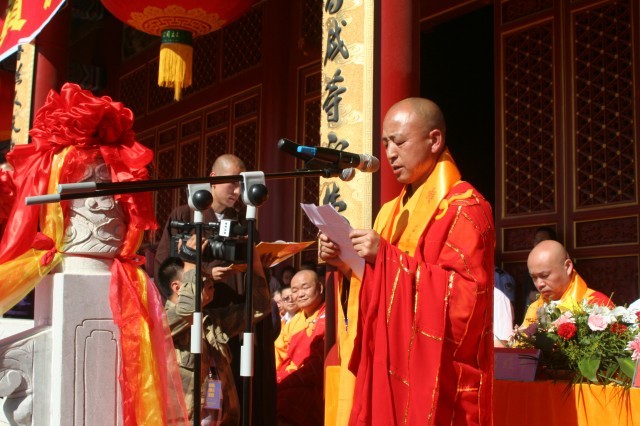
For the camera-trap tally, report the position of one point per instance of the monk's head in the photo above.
(550, 268)
(306, 290)
(225, 195)
(413, 137)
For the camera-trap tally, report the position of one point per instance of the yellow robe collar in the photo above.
(571, 298)
(403, 224)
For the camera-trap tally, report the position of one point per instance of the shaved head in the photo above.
(225, 195)
(550, 250)
(226, 163)
(550, 268)
(413, 136)
(307, 289)
(426, 112)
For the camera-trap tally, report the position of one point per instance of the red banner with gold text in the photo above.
(22, 20)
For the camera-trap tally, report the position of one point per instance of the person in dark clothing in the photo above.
(228, 282)
(526, 291)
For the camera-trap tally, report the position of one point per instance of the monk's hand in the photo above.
(329, 251)
(366, 243)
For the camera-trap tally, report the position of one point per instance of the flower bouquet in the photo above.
(599, 344)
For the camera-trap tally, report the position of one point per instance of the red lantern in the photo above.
(177, 22)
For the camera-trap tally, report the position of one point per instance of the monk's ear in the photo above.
(437, 141)
(568, 265)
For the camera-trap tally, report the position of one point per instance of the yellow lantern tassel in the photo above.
(176, 60)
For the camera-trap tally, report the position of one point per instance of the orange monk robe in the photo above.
(573, 295)
(423, 354)
(299, 353)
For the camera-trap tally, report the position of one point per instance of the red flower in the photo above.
(638, 315)
(567, 330)
(618, 328)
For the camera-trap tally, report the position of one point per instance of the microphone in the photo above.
(290, 147)
(346, 174)
(344, 160)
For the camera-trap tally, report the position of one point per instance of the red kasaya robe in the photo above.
(423, 354)
(299, 369)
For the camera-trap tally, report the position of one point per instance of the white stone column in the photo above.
(84, 356)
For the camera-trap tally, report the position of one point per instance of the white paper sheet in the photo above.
(336, 227)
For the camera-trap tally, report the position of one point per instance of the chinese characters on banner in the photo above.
(347, 101)
(22, 101)
(22, 20)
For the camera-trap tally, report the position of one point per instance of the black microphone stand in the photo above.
(254, 193)
(200, 199)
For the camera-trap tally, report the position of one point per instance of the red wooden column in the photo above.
(52, 57)
(399, 63)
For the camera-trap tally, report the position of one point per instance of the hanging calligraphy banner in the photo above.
(347, 124)
(347, 102)
(22, 21)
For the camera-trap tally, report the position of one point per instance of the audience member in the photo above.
(169, 280)
(274, 284)
(554, 276)
(503, 296)
(287, 273)
(277, 298)
(502, 318)
(504, 282)
(299, 352)
(289, 303)
(277, 311)
(544, 233)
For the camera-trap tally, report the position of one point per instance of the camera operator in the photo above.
(219, 326)
(225, 196)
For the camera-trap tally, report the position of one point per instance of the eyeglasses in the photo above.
(288, 299)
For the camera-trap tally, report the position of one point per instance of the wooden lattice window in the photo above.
(529, 141)
(604, 113)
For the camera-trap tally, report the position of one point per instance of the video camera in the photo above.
(226, 241)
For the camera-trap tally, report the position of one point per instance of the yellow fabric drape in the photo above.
(22, 274)
(561, 404)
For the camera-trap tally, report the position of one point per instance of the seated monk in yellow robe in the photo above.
(553, 274)
(299, 352)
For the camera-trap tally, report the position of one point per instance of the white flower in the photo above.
(605, 311)
(619, 311)
(630, 316)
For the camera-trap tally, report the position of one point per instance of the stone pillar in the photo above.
(85, 343)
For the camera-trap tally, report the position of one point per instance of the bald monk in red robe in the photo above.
(420, 319)
(299, 353)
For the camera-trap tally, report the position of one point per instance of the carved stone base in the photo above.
(67, 370)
